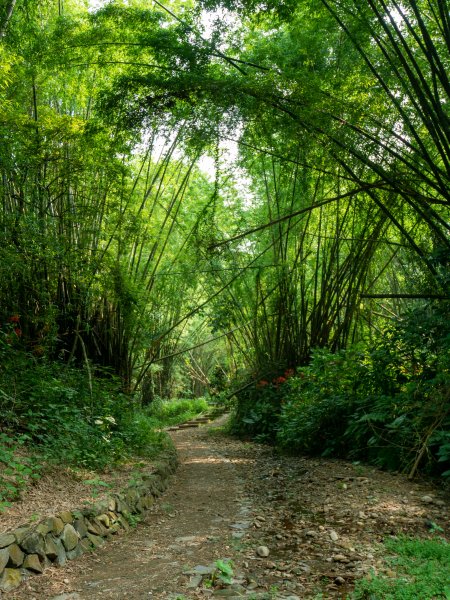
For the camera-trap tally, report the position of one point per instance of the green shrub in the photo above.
(69, 416)
(139, 435)
(319, 402)
(257, 409)
(388, 405)
(403, 416)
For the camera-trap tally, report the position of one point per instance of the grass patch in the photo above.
(422, 572)
(164, 413)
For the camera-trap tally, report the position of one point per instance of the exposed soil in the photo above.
(321, 521)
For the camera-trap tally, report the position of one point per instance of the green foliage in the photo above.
(319, 403)
(97, 486)
(257, 408)
(16, 470)
(69, 417)
(170, 412)
(388, 404)
(224, 571)
(421, 567)
(222, 574)
(109, 255)
(139, 436)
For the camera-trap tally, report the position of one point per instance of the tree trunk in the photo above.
(8, 14)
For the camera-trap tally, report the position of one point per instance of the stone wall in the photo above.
(29, 549)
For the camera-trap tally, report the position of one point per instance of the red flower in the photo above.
(279, 380)
(289, 373)
(262, 383)
(14, 319)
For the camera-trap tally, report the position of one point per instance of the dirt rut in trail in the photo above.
(294, 527)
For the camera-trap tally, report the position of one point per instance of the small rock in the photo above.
(187, 539)
(6, 539)
(302, 569)
(69, 537)
(55, 525)
(66, 516)
(339, 581)
(33, 544)
(203, 570)
(4, 558)
(427, 499)
(16, 556)
(104, 520)
(95, 540)
(21, 533)
(252, 585)
(60, 559)
(440, 503)
(311, 533)
(43, 528)
(71, 596)
(33, 563)
(10, 580)
(51, 549)
(235, 590)
(80, 527)
(333, 536)
(75, 552)
(194, 582)
(262, 551)
(341, 558)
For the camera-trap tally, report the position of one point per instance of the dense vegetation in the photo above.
(304, 274)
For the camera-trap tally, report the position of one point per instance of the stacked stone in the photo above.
(29, 549)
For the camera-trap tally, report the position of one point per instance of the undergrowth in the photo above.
(386, 403)
(53, 413)
(171, 412)
(418, 569)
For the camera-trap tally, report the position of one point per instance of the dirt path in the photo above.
(320, 521)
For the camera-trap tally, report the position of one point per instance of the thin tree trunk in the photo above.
(7, 18)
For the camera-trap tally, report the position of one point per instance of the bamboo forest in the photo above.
(225, 204)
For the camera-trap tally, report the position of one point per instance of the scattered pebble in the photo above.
(333, 536)
(427, 499)
(262, 551)
(341, 558)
